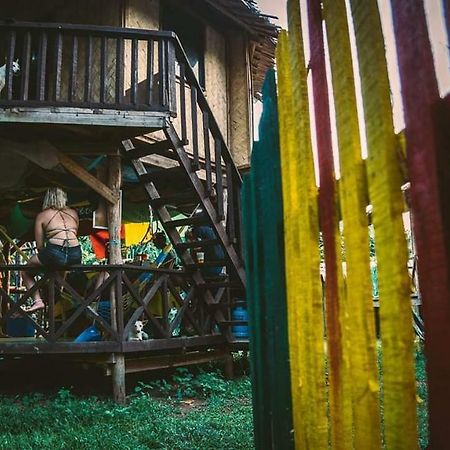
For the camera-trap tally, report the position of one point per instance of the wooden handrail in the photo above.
(97, 30)
(204, 106)
(93, 268)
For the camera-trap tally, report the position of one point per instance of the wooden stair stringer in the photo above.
(207, 205)
(164, 217)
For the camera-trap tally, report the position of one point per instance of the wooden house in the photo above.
(93, 89)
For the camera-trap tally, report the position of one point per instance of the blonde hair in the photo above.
(55, 198)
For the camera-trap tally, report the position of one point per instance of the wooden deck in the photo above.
(36, 346)
(145, 121)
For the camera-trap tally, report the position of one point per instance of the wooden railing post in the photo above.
(115, 257)
(171, 80)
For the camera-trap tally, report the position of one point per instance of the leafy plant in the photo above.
(222, 420)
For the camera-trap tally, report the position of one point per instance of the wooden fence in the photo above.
(335, 360)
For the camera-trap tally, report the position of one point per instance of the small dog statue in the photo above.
(137, 332)
(15, 69)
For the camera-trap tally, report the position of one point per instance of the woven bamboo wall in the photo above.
(216, 77)
(141, 14)
(239, 98)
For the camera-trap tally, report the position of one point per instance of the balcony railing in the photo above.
(117, 296)
(84, 66)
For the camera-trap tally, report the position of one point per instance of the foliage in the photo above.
(421, 391)
(185, 384)
(422, 396)
(219, 417)
(87, 253)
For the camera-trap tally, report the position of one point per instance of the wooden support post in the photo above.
(228, 369)
(114, 209)
(115, 257)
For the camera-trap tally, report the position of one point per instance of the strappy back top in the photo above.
(69, 238)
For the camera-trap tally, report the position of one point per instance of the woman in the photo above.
(55, 233)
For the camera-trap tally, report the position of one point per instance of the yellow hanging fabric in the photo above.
(135, 232)
(300, 212)
(385, 179)
(287, 137)
(361, 332)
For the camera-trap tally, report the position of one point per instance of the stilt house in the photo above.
(130, 103)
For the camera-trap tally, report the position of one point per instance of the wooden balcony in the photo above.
(83, 76)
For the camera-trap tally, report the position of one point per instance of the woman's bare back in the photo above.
(60, 227)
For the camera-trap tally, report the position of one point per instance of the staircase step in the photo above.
(180, 198)
(196, 220)
(234, 322)
(218, 263)
(157, 175)
(195, 244)
(141, 149)
(223, 284)
(216, 278)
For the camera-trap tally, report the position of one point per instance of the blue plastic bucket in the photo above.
(239, 313)
(90, 334)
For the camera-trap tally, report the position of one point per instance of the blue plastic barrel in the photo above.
(239, 313)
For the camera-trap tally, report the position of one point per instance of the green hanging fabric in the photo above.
(266, 295)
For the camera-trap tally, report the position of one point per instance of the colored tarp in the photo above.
(136, 232)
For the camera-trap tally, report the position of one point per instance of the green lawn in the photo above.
(183, 411)
(218, 417)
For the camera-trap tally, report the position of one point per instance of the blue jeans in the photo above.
(53, 255)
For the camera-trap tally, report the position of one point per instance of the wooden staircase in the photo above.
(197, 194)
(205, 177)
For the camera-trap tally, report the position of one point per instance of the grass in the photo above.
(218, 417)
(422, 397)
(181, 412)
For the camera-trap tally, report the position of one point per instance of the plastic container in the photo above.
(20, 327)
(104, 309)
(90, 334)
(239, 313)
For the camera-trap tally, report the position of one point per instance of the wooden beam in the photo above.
(148, 120)
(136, 365)
(81, 173)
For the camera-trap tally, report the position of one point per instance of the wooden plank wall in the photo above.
(350, 389)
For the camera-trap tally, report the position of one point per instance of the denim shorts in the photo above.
(53, 255)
